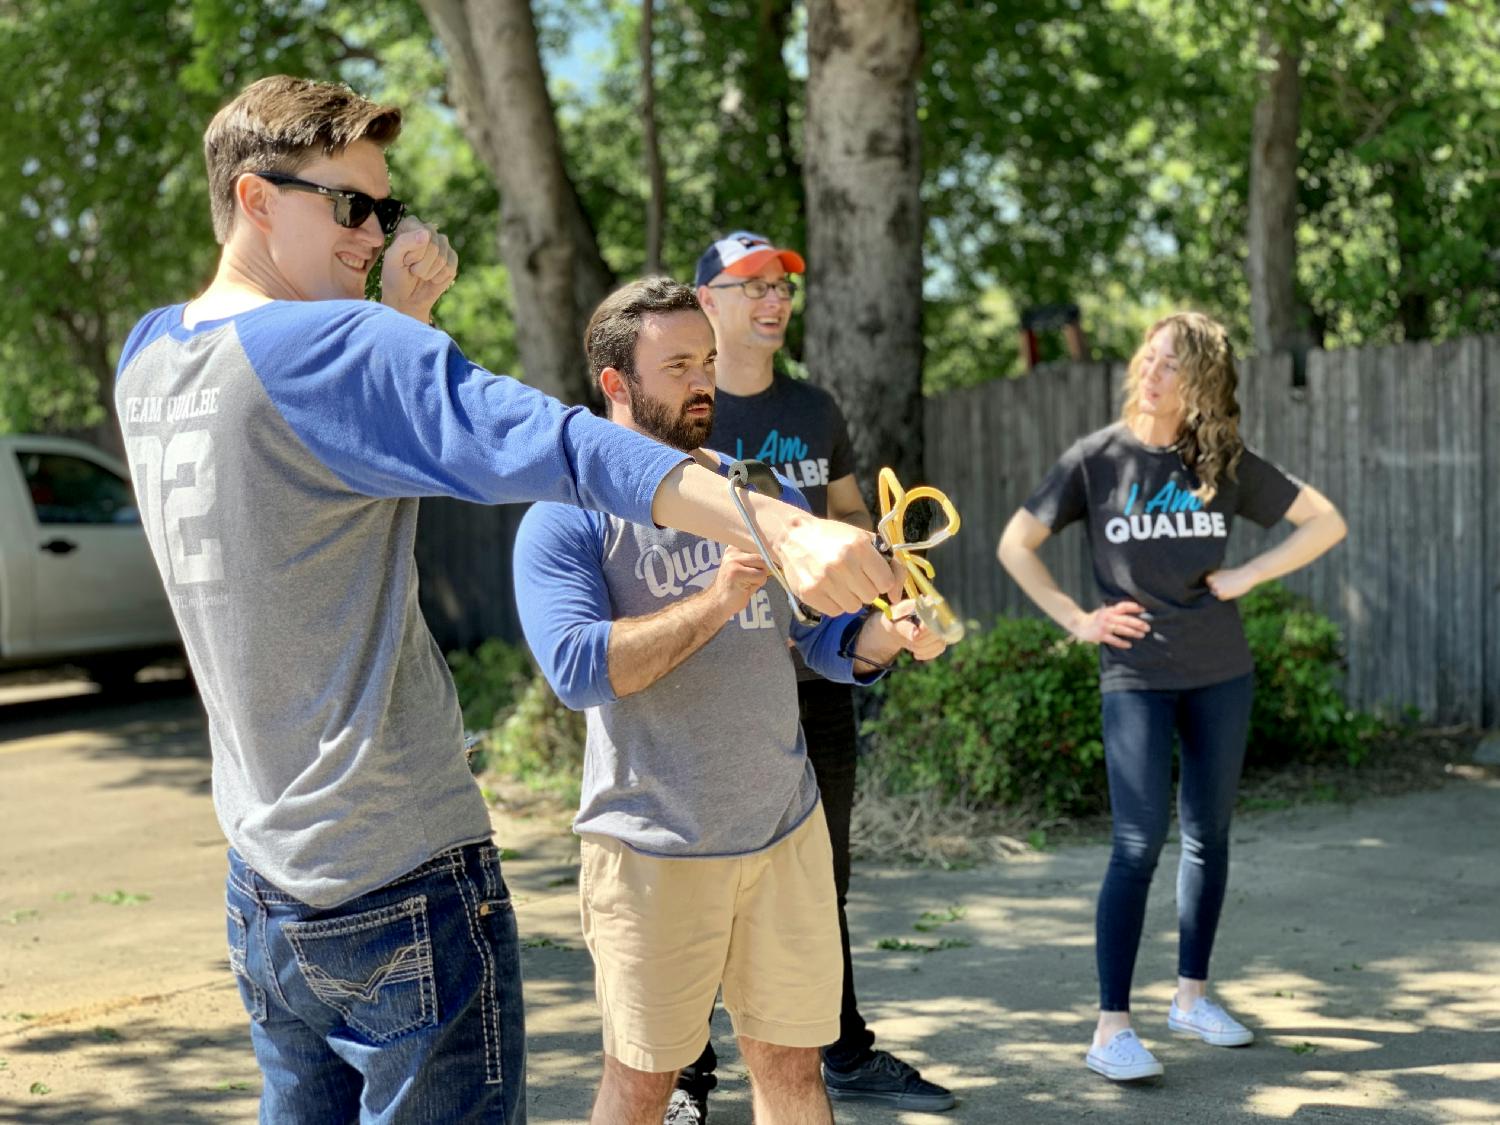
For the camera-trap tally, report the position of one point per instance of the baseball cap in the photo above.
(743, 254)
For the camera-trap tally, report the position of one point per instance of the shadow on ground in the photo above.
(145, 1073)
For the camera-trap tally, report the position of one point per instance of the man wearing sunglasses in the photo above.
(369, 928)
(745, 287)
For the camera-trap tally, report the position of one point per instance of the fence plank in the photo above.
(463, 554)
(1365, 402)
(1489, 610)
(1321, 472)
(1465, 517)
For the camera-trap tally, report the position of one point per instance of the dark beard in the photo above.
(679, 431)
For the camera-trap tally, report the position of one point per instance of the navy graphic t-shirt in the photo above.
(794, 427)
(797, 429)
(1154, 542)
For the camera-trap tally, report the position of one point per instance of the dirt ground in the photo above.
(1361, 941)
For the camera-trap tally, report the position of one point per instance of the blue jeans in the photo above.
(401, 1006)
(1212, 723)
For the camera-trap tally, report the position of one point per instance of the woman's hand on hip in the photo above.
(1236, 582)
(1114, 625)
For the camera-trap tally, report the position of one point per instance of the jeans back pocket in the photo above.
(374, 968)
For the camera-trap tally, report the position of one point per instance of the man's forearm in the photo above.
(644, 649)
(876, 644)
(831, 566)
(696, 500)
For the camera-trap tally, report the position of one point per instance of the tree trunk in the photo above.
(863, 173)
(88, 338)
(557, 274)
(768, 74)
(656, 205)
(1279, 320)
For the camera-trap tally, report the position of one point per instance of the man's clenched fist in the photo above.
(420, 265)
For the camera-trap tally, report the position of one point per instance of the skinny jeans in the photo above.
(1140, 727)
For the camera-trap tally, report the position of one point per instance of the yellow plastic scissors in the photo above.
(932, 609)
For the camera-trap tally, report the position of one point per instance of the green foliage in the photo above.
(93, 193)
(1299, 706)
(540, 743)
(729, 116)
(489, 681)
(1011, 716)
(525, 732)
(1096, 153)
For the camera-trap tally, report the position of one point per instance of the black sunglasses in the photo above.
(350, 208)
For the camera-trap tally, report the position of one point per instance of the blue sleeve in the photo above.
(563, 602)
(824, 648)
(150, 328)
(394, 408)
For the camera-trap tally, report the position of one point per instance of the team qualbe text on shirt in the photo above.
(668, 573)
(1173, 513)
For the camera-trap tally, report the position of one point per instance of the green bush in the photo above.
(1299, 703)
(539, 743)
(1011, 716)
(524, 730)
(489, 681)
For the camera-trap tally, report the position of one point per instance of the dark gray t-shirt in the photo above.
(1154, 542)
(797, 429)
(794, 427)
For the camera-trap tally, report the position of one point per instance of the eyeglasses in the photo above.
(350, 208)
(756, 288)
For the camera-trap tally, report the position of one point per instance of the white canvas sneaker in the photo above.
(1210, 1023)
(1123, 1059)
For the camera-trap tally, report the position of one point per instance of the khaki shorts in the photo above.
(665, 933)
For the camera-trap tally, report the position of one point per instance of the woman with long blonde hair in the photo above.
(1158, 491)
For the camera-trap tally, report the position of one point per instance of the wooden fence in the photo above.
(1405, 440)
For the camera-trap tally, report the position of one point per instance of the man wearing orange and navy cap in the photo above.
(744, 285)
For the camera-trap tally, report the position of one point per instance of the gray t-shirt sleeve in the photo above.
(1266, 491)
(1062, 497)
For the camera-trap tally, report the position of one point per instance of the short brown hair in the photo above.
(282, 124)
(610, 338)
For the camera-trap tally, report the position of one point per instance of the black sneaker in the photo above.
(687, 1107)
(885, 1079)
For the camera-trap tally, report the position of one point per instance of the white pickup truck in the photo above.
(77, 582)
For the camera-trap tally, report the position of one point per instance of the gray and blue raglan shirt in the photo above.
(710, 760)
(278, 457)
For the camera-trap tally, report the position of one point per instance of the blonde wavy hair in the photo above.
(1210, 442)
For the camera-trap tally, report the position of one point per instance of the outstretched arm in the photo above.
(831, 566)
